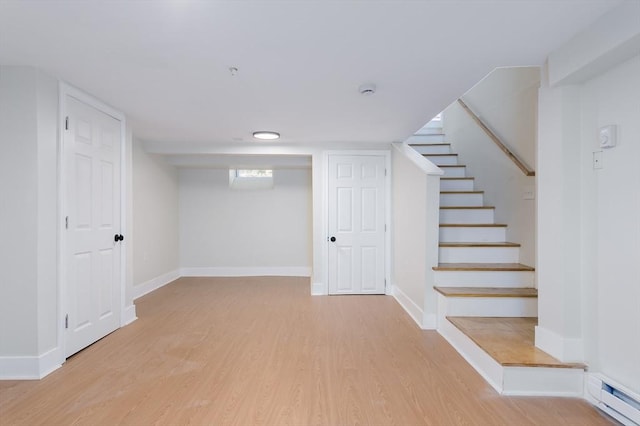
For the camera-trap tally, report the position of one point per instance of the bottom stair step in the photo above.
(510, 341)
(502, 351)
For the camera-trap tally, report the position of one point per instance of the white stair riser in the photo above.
(454, 171)
(500, 279)
(468, 216)
(433, 149)
(443, 160)
(431, 128)
(490, 306)
(461, 199)
(537, 381)
(479, 254)
(456, 185)
(431, 138)
(466, 234)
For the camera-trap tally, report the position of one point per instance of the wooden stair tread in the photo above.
(429, 144)
(487, 291)
(466, 207)
(439, 155)
(472, 225)
(509, 341)
(461, 192)
(479, 244)
(457, 178)
(482, 267)
(452, 165)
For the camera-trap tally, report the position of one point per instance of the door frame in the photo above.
(387, 211)
(66, 90)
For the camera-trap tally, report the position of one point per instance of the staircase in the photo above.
(487, 303)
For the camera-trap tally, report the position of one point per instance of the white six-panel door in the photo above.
(92, 208)
(356, 226)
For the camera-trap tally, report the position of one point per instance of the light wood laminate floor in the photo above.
(251, 351)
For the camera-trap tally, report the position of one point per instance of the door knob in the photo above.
(332, 239)
(118, 237)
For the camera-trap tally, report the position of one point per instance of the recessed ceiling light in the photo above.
(268, 136)
(367, 89)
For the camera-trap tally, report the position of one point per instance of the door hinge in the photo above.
(385, 172)
(385, 227)
(66, 321)
(66, 222)
(66, 123)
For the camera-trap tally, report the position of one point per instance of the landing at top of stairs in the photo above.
(509, 341)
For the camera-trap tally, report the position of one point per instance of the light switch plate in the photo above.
(597, 160)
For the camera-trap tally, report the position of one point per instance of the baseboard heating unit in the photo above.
(615, 400)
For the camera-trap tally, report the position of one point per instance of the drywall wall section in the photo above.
(28, 289)
(506, 101)
(415, 206)
(19, 182)
(155, 221)
(226, 231)
(611, 231)
(589, 235)
(598, 48)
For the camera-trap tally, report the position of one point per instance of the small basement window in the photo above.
(251, 178)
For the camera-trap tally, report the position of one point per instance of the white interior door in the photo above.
(356, 224)
(92, 208)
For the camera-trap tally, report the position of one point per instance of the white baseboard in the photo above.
(129, 315)
(565, 349)
(429, 322)
(408, 305)
(285, 271)
(155, 283)
(319, 289)
(29, 367)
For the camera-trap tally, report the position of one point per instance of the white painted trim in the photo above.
(418, 159)
(318, 289)
(155, 283)
(429, 321)
(414, 311)
(565, 349)
(65, 90)
(29, 367)
(129, 315)
(284, 271)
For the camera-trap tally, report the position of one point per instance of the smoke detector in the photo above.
(367, 89)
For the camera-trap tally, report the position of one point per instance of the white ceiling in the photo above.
(165, 64)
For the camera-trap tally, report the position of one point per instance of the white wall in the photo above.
(415, 208)
(28, 178)
(155, 241)
(229, 231)
(19, 183)
(589, 239)
(506, 100)
(611, 224)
